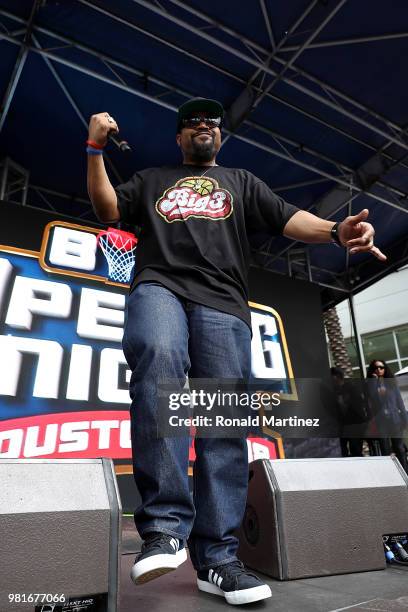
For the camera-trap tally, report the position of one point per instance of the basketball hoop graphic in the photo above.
(119, 249)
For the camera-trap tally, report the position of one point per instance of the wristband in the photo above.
(92, 151)
(334, 233)
(94, 144)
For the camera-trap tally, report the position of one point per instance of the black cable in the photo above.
(401, 552)
(397, 562)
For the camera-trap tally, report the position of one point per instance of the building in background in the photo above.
(382, 320)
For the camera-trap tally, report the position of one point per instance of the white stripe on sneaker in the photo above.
(174, 543)
(219, 581)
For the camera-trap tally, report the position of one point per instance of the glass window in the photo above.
(394, 367)
(402, 339)
(352, 353)
(379, 346)
(404, 363)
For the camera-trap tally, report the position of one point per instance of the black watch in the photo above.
(334, 233)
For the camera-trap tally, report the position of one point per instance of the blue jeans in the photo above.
(165, 338)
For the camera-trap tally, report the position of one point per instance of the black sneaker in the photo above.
(234, 582)
(160, 553)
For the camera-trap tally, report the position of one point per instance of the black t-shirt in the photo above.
(195, 223)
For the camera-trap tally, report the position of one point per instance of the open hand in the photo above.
(358, 235)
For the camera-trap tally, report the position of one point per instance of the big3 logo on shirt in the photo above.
(195, 196)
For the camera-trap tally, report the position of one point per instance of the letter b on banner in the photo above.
(73, 249)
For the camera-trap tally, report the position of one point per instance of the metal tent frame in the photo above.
(259, 73)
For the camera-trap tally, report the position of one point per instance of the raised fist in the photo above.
(99, 127)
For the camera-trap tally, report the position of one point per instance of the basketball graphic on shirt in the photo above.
(201, 186)
(195, 196)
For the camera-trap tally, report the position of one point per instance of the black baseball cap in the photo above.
(196, 105)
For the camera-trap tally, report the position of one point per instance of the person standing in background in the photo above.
(388, 409)
(351, 412)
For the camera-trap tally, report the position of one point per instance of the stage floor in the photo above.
(385, 591)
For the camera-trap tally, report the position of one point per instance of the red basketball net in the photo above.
(119, 249)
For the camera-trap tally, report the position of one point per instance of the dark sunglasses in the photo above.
(193, 122)
(379, 367)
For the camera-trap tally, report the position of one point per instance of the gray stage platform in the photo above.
(385, 591)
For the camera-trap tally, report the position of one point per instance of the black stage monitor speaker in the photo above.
(318, 517)
(60, 528)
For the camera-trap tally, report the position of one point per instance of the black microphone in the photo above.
(122, 145)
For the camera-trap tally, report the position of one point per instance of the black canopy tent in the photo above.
(315, 93)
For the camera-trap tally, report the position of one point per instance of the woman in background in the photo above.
(389, 410)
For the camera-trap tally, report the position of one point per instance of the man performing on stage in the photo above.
(188, 313)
